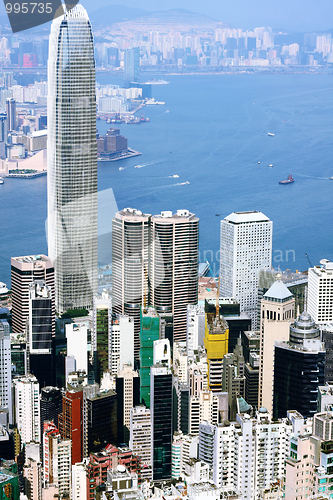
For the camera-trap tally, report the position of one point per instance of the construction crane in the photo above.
(306, 255)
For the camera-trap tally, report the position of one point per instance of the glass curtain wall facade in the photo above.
(72, 160)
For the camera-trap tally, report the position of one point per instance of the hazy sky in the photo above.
(298, 15)
(292, 15)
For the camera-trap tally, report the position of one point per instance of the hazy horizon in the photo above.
(294, 15)
(297, 15)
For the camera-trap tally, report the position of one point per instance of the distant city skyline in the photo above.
(297, 16)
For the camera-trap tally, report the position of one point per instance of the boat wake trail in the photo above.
(149, 163)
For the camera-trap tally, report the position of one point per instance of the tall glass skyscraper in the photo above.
(72, 160)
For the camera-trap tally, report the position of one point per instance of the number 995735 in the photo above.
(29, 8)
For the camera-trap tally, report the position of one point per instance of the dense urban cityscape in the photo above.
(152, 376)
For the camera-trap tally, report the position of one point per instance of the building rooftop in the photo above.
(245, 217)
(278, 292)
(131, 213)
(168, 216)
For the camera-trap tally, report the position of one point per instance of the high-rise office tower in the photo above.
(39, 332)
(50, 405)
(102, 320)
(246, 247)
(121, 343)
(27, 409)
(130, 241)
(174, 262)
(128, 396)
(299, 368)
(5, 368)
(216, 345)
(70, 421)
(131, 65)
(24, 270)
(161, 416)
(149, 332)
(101, 428)
(320, 298)
(276, 316)
(72, 160)
(3, 127)
(11, 114)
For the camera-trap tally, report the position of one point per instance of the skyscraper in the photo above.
(277, 313)
(131, 65)
(40, 328)
(321, 292)
(5, 368)
(130, 240)
(299, 368)
(246, 247)
(174, 261)
(27, 409)
(161, 417)
(72, 160)
(11, 114)
(24, 270)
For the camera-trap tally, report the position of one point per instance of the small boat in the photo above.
(270, 165)
(270, 134)
(137, 166)
(331, 178)
(258, 162)
(287, 181)
(184, 183)
(175, 176)
(1, 180)
(121, 168)
(217, 215)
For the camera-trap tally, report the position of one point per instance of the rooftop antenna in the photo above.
(305, 299)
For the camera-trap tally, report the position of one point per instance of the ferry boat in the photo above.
(270, 134)
(288, 181)
(1, 180)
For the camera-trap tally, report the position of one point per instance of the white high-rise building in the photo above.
(141, 440)
(79, 481)
(174, 264)
(72, 160)
(76, 336)
(248, 455)
(5, 368)
(27, 409)
(121, 343)
(320, 295)
(196, 322)
(204, 406)
(246, 247)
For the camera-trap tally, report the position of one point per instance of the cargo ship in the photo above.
(287, 181)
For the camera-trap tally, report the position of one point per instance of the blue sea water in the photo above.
(212, 132)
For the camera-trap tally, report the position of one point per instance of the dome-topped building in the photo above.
(299, 367)
(304, 328)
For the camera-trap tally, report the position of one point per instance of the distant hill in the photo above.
(166, 20)
(105, 16)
